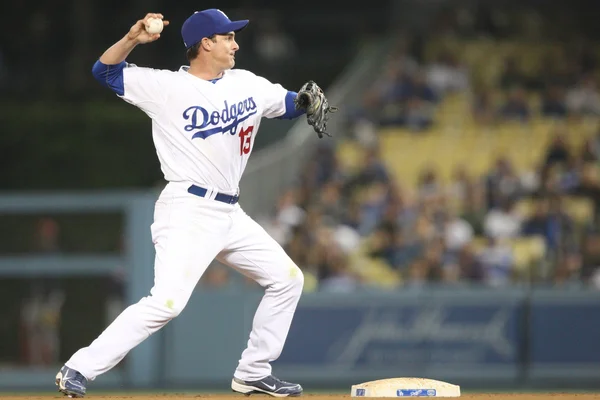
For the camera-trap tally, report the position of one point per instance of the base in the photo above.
(405, 387)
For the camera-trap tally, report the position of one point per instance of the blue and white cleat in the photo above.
(269, 385)
(70, 382)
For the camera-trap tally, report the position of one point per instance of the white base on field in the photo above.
(405, 387)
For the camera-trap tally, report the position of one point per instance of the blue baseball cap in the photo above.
(206, 23)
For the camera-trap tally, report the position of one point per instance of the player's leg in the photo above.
(188, 233)
(254, 253)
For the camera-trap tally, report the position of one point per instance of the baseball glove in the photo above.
(313, 100)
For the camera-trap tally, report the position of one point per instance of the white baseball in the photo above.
(154, 25)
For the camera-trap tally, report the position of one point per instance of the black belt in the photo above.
(224, 198)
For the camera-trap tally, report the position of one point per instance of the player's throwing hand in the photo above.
(138, 31)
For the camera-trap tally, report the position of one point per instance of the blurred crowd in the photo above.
(407, 93)
(345, 227)
(350, 228)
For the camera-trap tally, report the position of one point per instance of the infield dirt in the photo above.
(172, 396)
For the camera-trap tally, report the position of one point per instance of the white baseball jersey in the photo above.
(203, 130)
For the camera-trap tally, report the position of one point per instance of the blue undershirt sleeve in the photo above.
(110, 76)
(290, 107)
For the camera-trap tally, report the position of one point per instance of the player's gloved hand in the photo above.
(312, 99)
(138, 31)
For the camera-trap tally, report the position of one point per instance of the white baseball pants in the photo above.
(188, 233)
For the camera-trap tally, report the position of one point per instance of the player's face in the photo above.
(224, 50)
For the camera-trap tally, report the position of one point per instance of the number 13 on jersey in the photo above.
(246, 140)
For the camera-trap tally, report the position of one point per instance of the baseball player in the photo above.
(205, 118)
